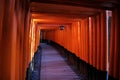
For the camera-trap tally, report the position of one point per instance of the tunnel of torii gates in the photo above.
(88, 38)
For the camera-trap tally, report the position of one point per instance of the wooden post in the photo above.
(1, 25)
(103, 42)
(114, 45)
(98, 42)
(8, 40)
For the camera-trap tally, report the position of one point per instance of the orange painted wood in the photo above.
(12, 39)
(79, 42)
(37, 37)
(91, 42)
(87, 42)
(98, 42)
(94, 41)
(86, 39)
(79, 35)
(116, 62)
(7, 43)
(82, 39)
(114, 46)
(77, 46)
(85, 58)
(103, 41)
(1, 20)
(1, 16)
(118, 43)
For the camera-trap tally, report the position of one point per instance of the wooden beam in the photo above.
(101, 4)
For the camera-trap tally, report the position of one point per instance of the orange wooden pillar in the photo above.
(66, 37)
(22, 45)
(83, 39)
(26, 47)
(1, 20)
(1, 16)
(18, 55)
(114, 69)
(12, 41)
(80, 39)
(98, 41)
(90, 41)
(8, 41)
(75, 38)
(98, 26)
(70, 36)
(87, 39)
(79, 25)
(103, 42)
(94, 41)
(37, 34)
(119, 42)
(98, 44)
(19, 40)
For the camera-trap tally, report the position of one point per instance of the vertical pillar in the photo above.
(1, 20)
(115, 45)
(98, 42)
(103, 42)
(1, 16)
(119, 42)
(91, 41)
(115, 54)
(22, 43)
(27, 57)
(81, 40)
(13, 55)
(104, 54)
(87, 40)
(26, 52)
(94, 42)
(7, 50)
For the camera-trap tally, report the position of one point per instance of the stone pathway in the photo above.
(54, 67)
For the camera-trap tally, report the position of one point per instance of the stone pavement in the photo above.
(54, 67)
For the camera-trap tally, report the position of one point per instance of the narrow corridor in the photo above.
(54, 67)
(87, 33)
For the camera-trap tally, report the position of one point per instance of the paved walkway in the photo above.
(54, 67)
